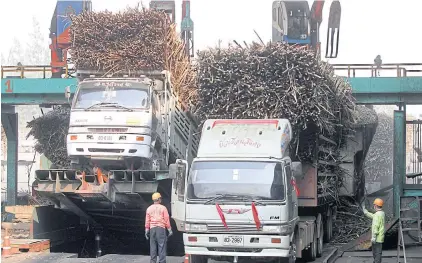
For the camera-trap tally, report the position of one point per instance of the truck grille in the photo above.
(232, 228)
(248, 250)
(107, 130)
(98, 150)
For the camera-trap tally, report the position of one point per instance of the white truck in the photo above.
(245, 197)
(240, 198)
(124, 122)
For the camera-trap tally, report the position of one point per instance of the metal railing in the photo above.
(401, 69)
(22, 70)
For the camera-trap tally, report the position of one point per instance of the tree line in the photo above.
(34, 52)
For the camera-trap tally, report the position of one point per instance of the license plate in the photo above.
(233, 241)
(105, 138)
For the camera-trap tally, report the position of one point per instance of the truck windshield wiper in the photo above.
(218, 197)
(276, 158)
(113, 104)
(242, 197)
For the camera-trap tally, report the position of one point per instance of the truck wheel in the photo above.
(328, 228)
(311, 252)
(320, 240)
(198, 259)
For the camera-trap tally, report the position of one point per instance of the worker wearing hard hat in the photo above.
(156, 222)
(378, 221)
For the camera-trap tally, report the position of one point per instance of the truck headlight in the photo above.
(283, 229)
(196, 227)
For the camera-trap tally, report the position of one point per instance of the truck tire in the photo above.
(328, 228)
(198, 259)
(310, 253)
(320, 240)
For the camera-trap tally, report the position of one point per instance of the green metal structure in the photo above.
(403, 88)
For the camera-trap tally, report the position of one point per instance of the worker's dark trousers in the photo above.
(377, 252)
(158, 243)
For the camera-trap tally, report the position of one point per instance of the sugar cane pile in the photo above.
(49, 131)
(134, 40)
(350, 223)
(275, 81)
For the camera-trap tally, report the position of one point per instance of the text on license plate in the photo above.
(105, 138)
(233, 240)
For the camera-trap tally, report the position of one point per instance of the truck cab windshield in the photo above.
(297, 24)
(228, 180)
(121, 94)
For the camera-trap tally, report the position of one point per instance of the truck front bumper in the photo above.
(116, 150)
(116, 146)
(253, 245)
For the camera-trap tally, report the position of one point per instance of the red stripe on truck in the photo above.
(245, 122)
(256, 216)
(222, 217)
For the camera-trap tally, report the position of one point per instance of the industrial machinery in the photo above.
(59, 32)
(187, 28)
(293, 22)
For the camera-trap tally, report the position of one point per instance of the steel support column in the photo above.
(9, 120)
(399, 158)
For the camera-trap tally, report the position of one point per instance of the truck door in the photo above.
(178, 193)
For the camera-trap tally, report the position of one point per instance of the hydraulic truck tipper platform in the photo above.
(243, 195)
(125, 131)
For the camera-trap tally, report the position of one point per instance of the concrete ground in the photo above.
(72, 258)
(413, 255)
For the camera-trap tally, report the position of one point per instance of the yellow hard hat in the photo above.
(156, 196)
(378, 202)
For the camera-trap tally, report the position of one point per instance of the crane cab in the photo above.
(59, 32)
(291, 22)
(294, 23)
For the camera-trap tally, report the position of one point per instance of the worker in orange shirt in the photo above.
(156, 222)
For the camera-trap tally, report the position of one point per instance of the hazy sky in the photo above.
(368, 27)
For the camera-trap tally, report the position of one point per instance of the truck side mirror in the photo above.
(181, 166)
(173, 169)
(297, 169)
(67, 93)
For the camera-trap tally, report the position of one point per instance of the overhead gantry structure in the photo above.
(403, 89)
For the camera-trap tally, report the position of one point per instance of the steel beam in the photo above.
(10, 124)
(388, 99)
(399, 159)
(36, 91)
(386, 85)
(367, 90)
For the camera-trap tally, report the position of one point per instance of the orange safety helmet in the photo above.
(378, 202)
(156, 196)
